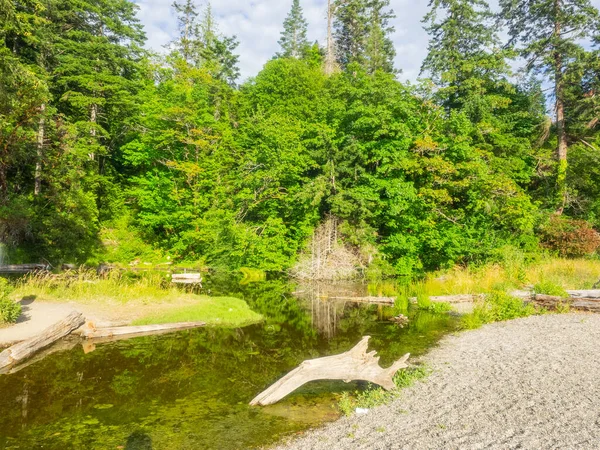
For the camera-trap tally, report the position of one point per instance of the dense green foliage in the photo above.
(127, 155)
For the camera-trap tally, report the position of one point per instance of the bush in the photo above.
(376, 396)
(549, 288)
(9, 310)
(498, 307)
(570, 238)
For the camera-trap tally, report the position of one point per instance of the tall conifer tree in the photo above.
(548, 34)
(293, 40)
(464, 50)
(362, 34)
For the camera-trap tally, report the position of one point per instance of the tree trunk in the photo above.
(40, 152)
(562, 148)
(330, 56)
(25, 349)
(93, 120)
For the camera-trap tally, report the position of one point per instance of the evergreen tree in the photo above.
(379, 48)
(548, 33)
(463, 49)
(293, 42)
(471, 78)
(351, 25)
(362, 34)
(186, 19)
(216, 52)
(201, 45)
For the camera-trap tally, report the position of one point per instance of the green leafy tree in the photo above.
(548, 35)
(293, 42)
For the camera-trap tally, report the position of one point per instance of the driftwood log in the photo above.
(461, 298)
(91, 332)
(25, 349)
(374, 300)
(355, 364)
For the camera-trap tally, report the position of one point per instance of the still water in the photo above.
(190, 390)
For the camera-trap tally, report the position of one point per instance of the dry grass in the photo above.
(122, 297)
(514, 274)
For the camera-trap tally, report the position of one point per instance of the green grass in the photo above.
(376, 396)
(147, 298)
(221, 311)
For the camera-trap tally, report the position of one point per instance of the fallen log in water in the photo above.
(381, 300)
(25, 349)
(90, 331)
(59, 346)
(355, 364)
(460, 298)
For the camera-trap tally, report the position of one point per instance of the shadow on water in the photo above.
(138, 441)
(191, 389)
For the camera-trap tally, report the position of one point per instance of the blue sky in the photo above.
(258, 24)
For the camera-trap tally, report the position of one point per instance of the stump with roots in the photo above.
(355, 364)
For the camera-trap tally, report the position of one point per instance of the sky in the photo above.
(258, 24)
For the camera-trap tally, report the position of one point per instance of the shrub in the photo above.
(376, 396)
(9, 310)
(549, 288)
(570, 238)
(497, 307)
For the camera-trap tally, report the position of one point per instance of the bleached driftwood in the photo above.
(592, 293)
(90, 331)
(355, 364)
(25, 349)
(186, 278)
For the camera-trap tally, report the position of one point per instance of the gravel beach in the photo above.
(532, 383)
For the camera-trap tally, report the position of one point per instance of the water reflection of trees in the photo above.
(197, 379)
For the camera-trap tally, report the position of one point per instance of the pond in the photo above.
(190, 390)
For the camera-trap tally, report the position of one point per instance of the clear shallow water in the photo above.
(190, 390)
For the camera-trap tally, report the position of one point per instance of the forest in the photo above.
(111, 153)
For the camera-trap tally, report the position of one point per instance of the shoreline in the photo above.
(525, 383)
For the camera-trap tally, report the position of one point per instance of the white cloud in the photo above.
(258, 24)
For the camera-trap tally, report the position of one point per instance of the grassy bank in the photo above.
(141, 299)
(513, 273)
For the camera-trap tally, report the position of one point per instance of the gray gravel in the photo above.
(532, 383)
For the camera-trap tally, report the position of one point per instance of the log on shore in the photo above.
(579, 304)
(592, 293)
(91, 332)
(53, 333)
(355, 364)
